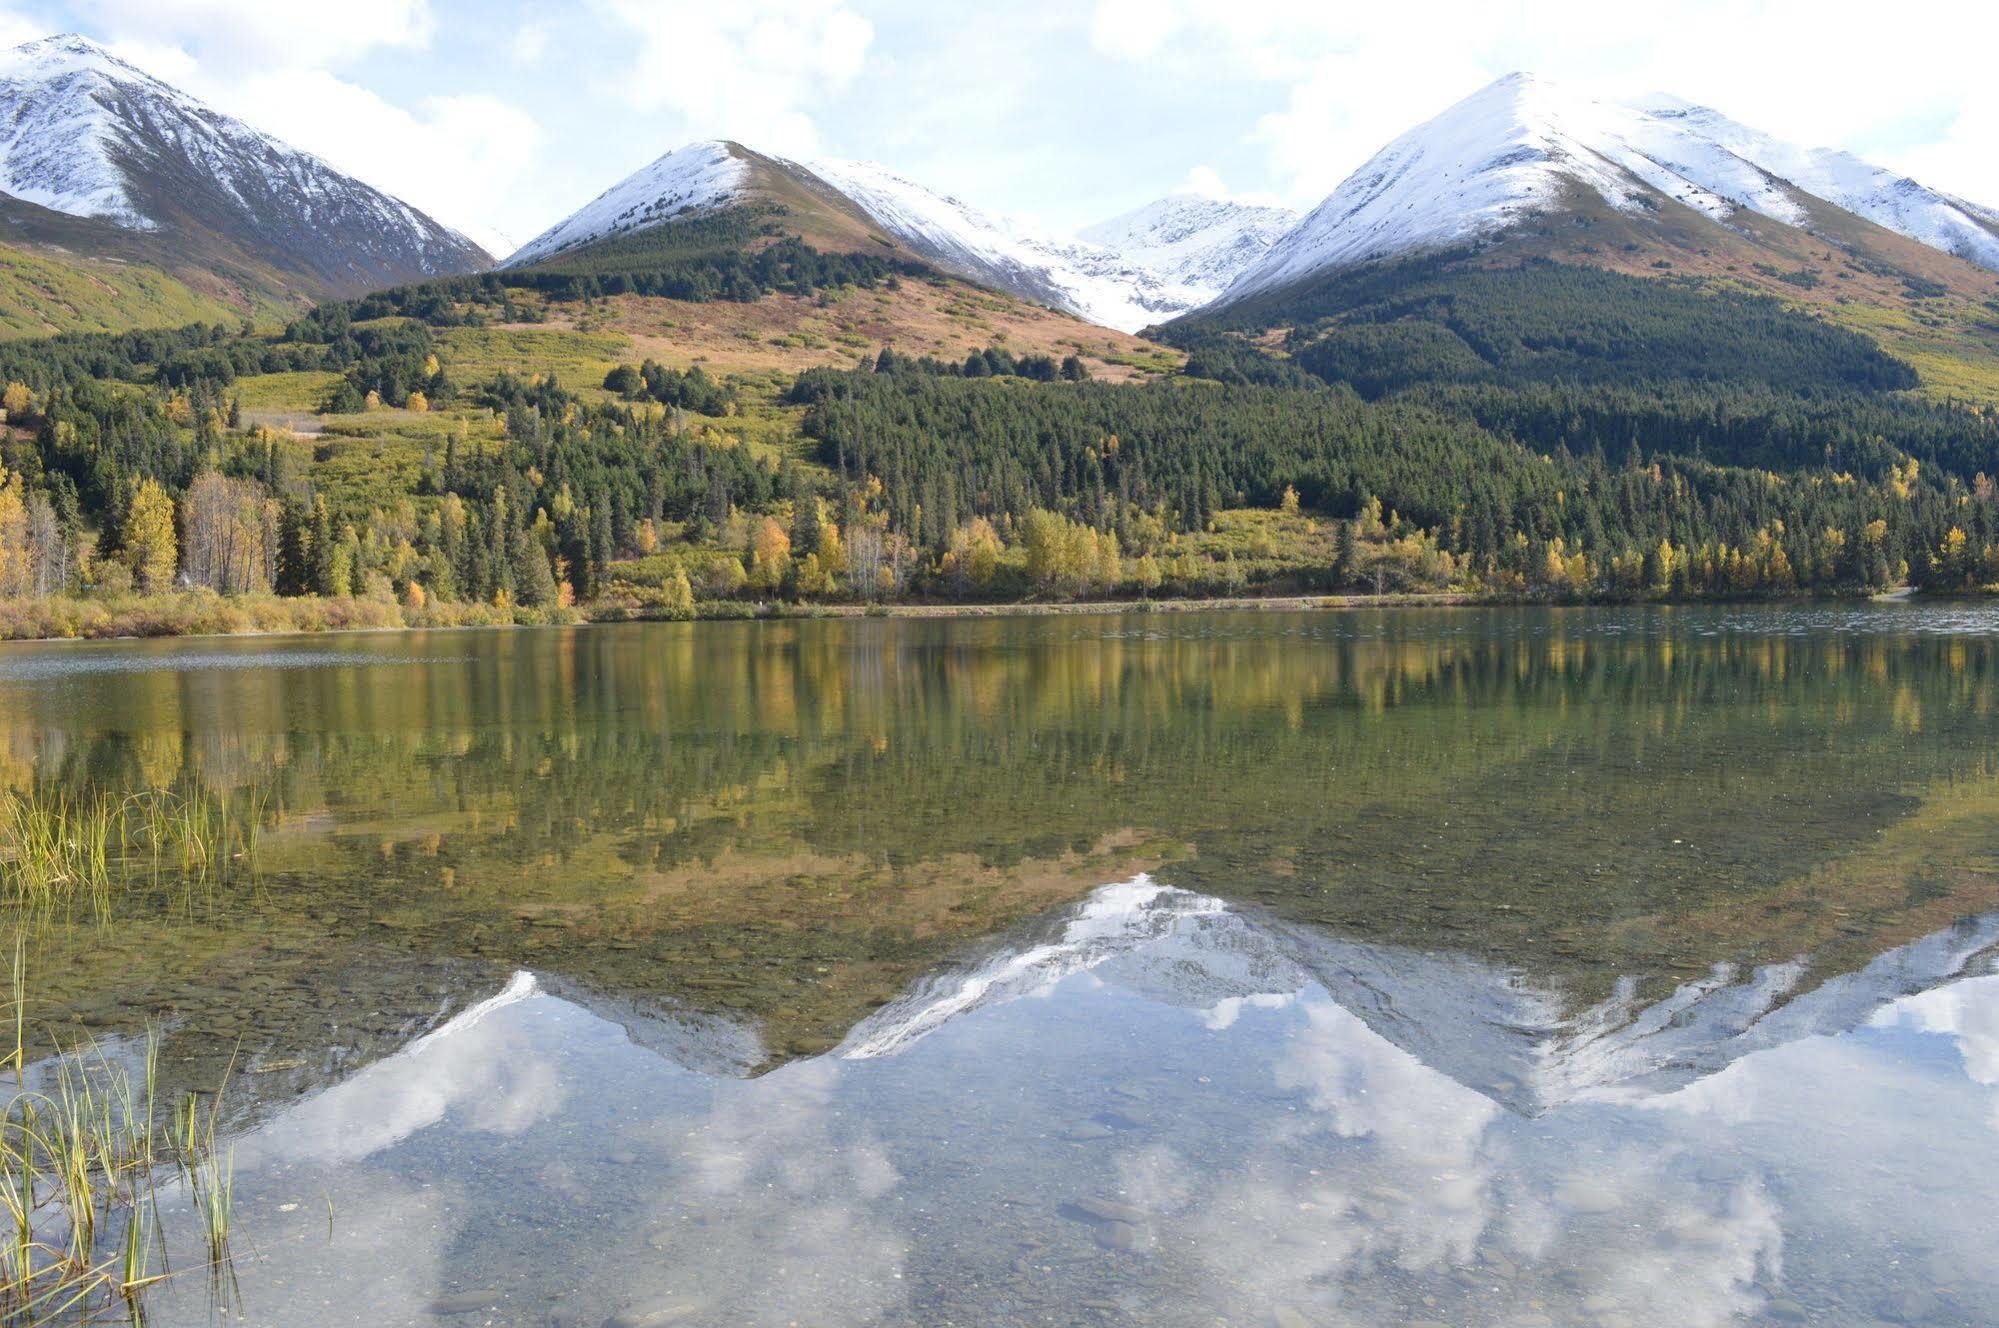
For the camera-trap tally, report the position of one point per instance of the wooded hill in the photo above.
(500, 441)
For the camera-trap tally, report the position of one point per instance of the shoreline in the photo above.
(732, 611)
(1071, 608)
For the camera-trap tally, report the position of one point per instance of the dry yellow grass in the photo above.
(790, 333)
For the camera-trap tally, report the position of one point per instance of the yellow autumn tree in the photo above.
(770, 555)
(16, 566)
(152, 550)
(679, 592)
(973, 556)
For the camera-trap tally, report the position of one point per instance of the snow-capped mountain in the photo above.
(1151, 265)
(1200, 244)
(686, 181)
(1524, 148)
(1095, 282)
(85, 134)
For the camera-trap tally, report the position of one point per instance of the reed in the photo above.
(83, 1156)
(61, 851)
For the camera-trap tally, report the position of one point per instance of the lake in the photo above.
(1464, 967)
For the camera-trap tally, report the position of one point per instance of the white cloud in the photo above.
(1965, 158)
(530, 43)
(1204, 182)
(1347, 107)
(15, 29)
(751, 70)
(1207, 182)
(268, 32)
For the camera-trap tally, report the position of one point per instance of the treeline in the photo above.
(1859, 434)
(787, 266)
(945, 450)
(532, 521)
(201, 352)
(992, 362)
(1387, 327)
(741, 254)
(1520, 441)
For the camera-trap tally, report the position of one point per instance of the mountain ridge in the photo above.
(1524, 151)
(89, 136)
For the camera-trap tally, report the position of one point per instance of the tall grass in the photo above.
(83, 1157)
(57, 849)
(63, 851)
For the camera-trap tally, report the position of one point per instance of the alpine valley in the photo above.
(1541, 346)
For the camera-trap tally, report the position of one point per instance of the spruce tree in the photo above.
(319, 551)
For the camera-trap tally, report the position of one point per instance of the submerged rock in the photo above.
(1120, 1236)
(1110, 1210)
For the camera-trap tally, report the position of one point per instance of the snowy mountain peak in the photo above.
(66, 52)
(1145, 267)
(87, 134)
(1192, 240)
(57, 142)
(1525, 146)
(689, 179)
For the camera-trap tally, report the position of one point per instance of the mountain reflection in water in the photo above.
(1619, 967)
(1320, 1128)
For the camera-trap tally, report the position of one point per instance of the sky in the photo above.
(500, 117)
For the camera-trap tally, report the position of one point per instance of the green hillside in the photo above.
(545, 443)
(44, 294)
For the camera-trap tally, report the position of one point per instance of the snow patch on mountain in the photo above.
(1090, 281)
(1882, 196)
(1519, 147)
(686, 181)
(1197, 243)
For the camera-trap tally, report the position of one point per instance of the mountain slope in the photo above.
(1094, 282)
(156, 176)
(701, 208)
(43, 293)
(1881, 196)
(706, 180)
(1525, 152)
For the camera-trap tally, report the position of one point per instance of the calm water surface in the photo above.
(1513, 968)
